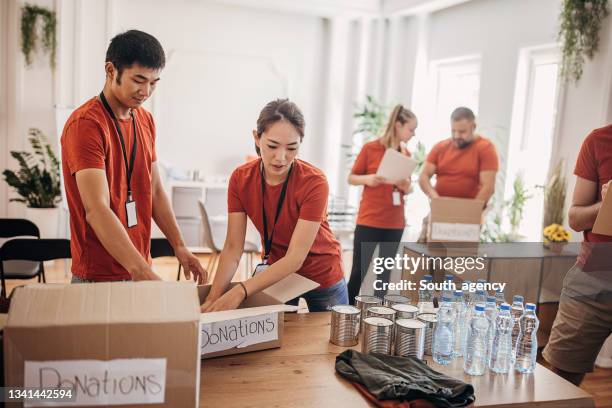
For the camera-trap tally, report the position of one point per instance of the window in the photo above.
(531, 136)
(454, 82)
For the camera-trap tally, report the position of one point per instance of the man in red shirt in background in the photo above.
(112, 182)
(465, 165)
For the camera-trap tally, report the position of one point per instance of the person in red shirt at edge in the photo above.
(286, 199)
(381, 211)
(584, 319)
(465, 165)
(112, 182)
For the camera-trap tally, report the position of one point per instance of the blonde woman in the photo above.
(381, 211)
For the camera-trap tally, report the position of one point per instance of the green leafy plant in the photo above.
(29, 35)
(370, 117)
(513, 208)
(554, 197)
(580, 24)
(38, 179)
(419, 155)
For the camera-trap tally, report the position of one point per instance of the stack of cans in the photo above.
(377, 335)
(345, 322)
(409, 338)
(363, 302)
(430, 321)
(405, 311)
(391, 300)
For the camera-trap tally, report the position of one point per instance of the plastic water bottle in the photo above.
(480, 296)
(499, 297)
(501, 351)
(467, 295)
(443, 341)
(516, 311)
(491, 313)
(527, 343)
(426, 297)
(475, 359)
(459, 326)
(448, 279)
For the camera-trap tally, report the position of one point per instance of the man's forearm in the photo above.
(165, 219)
(583, 217)
(485, 193)
(427, 188)
(114, 238)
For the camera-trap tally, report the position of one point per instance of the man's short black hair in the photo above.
(135, 47)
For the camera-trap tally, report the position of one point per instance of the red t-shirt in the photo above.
(376, 208)
(595, 164)
(90, 140)
(306, 198)
(458, 170)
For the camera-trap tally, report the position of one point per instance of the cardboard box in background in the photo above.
(123, 344)
(454, 220)
(256, 325)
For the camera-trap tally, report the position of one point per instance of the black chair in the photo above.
(18, 227)
(161, 247)
(35, 250)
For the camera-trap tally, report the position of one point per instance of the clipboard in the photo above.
(396, 166)
(603, 222)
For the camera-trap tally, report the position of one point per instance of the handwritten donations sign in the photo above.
(97, 382)
(239, 332)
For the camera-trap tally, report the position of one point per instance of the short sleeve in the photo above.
(314, 207)
(488, 158)
(234, 204)
(361, 162)
(586, 164)
(153, 138)
(83, 146)
(434, 154)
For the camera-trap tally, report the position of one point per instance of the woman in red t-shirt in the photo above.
(381, 212)
(286, 199)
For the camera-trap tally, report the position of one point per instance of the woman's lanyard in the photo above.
(281, 199)
(130, 205)
(395, 194)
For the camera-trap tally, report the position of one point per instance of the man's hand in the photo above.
(373, 180)
(191, 265)
(604, 189)
(404, 185)
(229, 301)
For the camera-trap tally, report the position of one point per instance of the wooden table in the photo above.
(301, 374)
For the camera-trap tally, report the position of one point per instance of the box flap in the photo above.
(212, 317)
(456, 210)
(103, 303)
(290, 287)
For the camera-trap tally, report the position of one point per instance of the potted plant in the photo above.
(37, 182)
(554, 235)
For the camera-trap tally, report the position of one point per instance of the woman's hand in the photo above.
(404, 185)
(229, 301)
(373, 180)
(604, 190)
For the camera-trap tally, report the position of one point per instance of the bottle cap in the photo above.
(504, 306)
(517, 298)
(530, 306)
(479, 307)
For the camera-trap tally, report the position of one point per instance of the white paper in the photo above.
(447, 231)
(242, 332)
(98, 382)
(396, 166)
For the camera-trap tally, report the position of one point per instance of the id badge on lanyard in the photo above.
(261, 267)
(131, 215)
(396, 197)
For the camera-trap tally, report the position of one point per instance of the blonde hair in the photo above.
(398, 114)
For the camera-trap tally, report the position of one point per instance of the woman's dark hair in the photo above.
(135, 47)
(277, 111)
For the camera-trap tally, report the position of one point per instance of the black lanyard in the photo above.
(281, 199)
(128, 168)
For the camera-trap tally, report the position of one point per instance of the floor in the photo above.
(598, 383)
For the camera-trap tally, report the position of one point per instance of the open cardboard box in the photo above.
(256, 325)
(455, 220)
(121, 344)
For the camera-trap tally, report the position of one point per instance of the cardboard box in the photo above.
(121, 344)
(256, 325)
(454, 220)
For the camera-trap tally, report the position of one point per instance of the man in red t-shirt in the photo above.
(112, 182)
(584, 320)
(465, 165)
